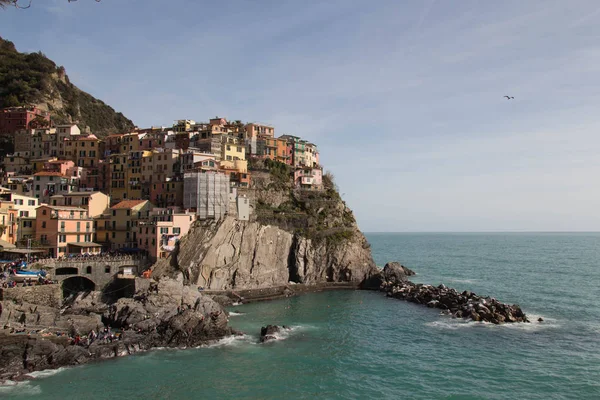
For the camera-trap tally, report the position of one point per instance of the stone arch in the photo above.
(77, 284)
(66, 271)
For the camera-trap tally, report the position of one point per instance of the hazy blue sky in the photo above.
(404, 98)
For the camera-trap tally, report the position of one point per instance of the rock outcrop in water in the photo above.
(268, 332)
(458, 305)
(162, 314)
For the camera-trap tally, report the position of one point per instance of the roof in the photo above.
(59, 161)
(5, 245)
(46, 173)
(79, 194)
(66, 208)
(23, 251)
(127, 204)
(84, 244)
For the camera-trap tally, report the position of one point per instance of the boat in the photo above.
(21, 273)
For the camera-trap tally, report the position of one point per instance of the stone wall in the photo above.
(44, 295)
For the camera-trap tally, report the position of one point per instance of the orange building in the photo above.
(58, 228)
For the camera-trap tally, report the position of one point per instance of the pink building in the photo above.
(58, 228)
(164, 228)
(61, 166)
(308, 178)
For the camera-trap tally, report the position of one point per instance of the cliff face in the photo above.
(231, 254)
(301, 237)
(33, 79)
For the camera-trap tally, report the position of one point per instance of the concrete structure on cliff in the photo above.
(206, 194)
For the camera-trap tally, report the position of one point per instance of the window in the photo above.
(128, 212)
(88, 270)
(113, 235)
(114, 213)
(78, 228)
(43, 224)
(62, 238)
(164, 230)
(23, 213)
(107, 269)
(176, 231)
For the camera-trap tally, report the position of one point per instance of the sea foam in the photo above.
(46, 373)
(25, 388)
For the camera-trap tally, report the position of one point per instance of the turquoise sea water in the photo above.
(363, 345)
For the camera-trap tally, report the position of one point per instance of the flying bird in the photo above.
(509, 97)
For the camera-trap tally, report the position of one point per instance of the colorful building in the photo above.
(58, 227)
(163, 229)
(308, 178)
(123, 222)
(14, 119)
(96, 203)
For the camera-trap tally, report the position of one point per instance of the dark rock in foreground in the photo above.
(268, 332)
(164, 314)
(458, 305)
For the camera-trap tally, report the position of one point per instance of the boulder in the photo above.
(268, 332)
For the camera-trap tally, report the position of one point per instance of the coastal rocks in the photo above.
(172, 313)
(458, 305)
(393, 273)
(162, 314)
(269, 332)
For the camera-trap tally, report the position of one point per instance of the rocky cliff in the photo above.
(307, 237)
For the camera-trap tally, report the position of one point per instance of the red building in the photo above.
(14, 119)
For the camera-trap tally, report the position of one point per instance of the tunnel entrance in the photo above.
(77, 284)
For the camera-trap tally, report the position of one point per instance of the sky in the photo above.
(403, 98)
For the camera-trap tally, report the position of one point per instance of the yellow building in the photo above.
(96, 203)
(130, 142)
(83, 150)
(124, 220)
(232, 148)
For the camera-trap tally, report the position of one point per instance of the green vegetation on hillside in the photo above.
(315, 214)
(32, 79)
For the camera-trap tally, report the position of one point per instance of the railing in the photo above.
(82, 258)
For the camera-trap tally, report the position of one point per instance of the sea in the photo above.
(362, 345)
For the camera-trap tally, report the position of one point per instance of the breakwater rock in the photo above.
(457, 304)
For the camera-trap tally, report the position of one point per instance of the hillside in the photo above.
(33, 79)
